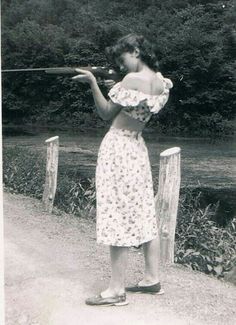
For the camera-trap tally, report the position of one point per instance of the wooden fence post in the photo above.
(51, 173)
(167, 199)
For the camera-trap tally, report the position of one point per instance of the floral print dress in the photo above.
(124, 188)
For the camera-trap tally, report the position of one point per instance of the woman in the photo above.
(124, 189)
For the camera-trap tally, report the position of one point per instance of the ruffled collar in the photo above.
(133, 97)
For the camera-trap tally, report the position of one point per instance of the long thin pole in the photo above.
(25, 70)
(99, 72)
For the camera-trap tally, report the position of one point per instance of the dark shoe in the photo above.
(154, 289)
(110, 301)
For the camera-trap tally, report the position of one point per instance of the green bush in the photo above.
(211, 126)
(24, 171)
(75, 195)
(200, 243)
(195, 42)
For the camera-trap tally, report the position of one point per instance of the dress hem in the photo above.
(102, 242)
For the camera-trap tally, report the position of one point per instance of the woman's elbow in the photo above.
(108, 112)
(106, 116)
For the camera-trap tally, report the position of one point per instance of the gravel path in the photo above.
(52, 264)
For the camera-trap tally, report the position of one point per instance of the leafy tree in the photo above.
(195, 42)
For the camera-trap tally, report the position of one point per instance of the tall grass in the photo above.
(200, 242)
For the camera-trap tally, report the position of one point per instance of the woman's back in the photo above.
(138, 89)
(148, 82)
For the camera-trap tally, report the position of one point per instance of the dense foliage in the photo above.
(201, 244)
(24, 171)
(195, 42)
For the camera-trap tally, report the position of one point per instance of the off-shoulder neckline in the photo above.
(132, 97)
(118, 84)
(136, 91)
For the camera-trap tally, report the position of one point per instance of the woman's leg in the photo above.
(151, 254)
(118, 266)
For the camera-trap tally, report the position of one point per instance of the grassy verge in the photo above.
(201, 244)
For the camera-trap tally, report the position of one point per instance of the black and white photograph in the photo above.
(118, 162)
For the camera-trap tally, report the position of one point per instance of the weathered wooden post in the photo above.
(51, 173)
(167, 199)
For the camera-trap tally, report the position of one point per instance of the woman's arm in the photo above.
(106, 109)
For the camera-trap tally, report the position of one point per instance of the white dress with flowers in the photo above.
(124, 187)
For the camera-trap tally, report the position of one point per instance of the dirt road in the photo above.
(52, 264)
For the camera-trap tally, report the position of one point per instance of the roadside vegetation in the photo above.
(201, 243)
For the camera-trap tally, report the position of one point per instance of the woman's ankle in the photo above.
(148, 281)
(111, 292)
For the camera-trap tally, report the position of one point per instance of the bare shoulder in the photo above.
(150, 83)
(131, 81)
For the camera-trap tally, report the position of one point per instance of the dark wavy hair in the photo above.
(131, 42)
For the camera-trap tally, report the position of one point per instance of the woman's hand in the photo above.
(104, 108)
(84, 76)
(108, 83)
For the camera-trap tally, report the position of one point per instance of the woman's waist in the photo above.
(125, 132)
(125, 122)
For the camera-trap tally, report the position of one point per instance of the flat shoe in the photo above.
(109, 301)
(154, 289)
